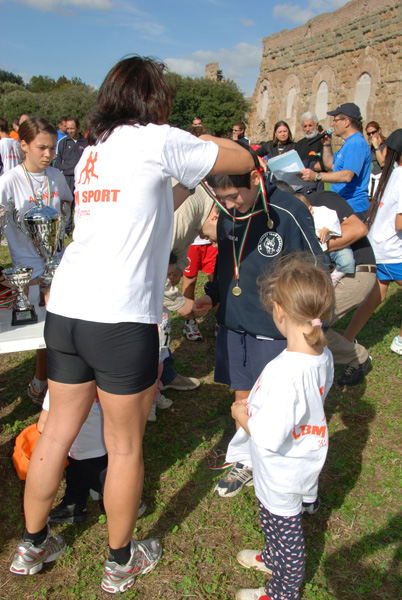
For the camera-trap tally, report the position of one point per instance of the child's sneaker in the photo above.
(68, 513)
(36, 397)
(29, 559)
(336, 276)
(162, 402)
(251, 559)
(252, 594)
(191, 331)
(238, 477)
(396, 345)
(144, 557)
(310, 508)
(152, 414)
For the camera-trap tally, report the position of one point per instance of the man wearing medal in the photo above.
(258, 224)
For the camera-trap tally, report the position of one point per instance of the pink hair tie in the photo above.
(316, 323)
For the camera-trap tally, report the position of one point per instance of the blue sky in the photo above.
(85, 38)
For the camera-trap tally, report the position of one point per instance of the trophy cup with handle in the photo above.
(43, 226)
(23, 311)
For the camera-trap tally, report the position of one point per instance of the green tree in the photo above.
(7, 76)
(41, 84)
(20, 101)
(218, 103)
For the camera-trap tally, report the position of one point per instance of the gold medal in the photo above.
(236, 291)
(270, 223)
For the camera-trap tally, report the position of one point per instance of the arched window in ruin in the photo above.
(290, 102)
(321, 102)
(362, 93)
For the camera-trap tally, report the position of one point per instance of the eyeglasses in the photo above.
(336, 120)
(372, 132)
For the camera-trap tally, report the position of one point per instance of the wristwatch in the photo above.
(318, 177)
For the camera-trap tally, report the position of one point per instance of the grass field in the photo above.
(354, 546)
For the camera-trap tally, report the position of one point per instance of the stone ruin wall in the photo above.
(351, 55)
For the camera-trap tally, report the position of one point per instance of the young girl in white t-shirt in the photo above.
(283, 427)
(22, 186)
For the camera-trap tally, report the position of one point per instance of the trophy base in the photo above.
(24, 317)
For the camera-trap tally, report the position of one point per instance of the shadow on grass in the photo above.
(369, 580)
(342, 468)
(386, 318)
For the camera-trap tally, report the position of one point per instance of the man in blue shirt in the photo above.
(350, 167)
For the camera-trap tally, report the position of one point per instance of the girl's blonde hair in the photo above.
(303, 289)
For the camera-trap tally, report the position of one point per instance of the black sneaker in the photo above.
(68, 513)
(354, 375)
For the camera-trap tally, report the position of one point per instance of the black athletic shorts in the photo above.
(121, 357)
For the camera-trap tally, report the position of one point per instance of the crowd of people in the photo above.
(207, 204)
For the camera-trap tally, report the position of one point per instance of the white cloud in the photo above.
(293, 13)
(148, 29)
(247, 22)
(240, 63)
(57, 5)
(185, 66)
(299, 15)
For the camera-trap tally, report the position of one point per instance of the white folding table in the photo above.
(21, 338)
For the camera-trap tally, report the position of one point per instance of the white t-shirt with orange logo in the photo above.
(289, 433)
(115, 269)
(10, 154)
(15, 186)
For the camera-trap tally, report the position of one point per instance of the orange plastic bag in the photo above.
(24, 445)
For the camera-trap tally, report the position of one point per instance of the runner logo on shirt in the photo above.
(270, 244)
(89, 169)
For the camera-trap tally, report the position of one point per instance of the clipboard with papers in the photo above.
(287, 167)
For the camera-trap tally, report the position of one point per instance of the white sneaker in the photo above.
(238, 477)
(251, 559)
(152, 414)
(251, 594)
(191, 331)
(163, 402)
(396, 346)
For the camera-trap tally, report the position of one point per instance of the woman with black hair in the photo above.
(384, 221)
(282, 141)
(105, 303)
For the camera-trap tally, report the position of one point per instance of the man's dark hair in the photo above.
(3, 125)
(199, 130)
(76, 121)
(356, 123)
(240, 124)
(237, 181)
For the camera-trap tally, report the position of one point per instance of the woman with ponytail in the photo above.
(384, 222)
(282, 425)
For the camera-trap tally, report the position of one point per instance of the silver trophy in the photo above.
(43, 225)
(23, 311)
(45, 228)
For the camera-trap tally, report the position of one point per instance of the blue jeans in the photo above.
(168, 373)
(344, 260)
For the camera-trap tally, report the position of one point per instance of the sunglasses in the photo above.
(372, 132)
